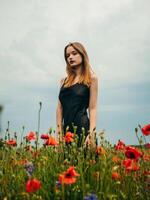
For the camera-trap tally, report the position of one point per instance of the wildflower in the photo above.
(96, 175)
(31, 136)
(147, 178)
(22, 162)
(120, 145)
(11, 142)
(147, 145)
(100, 150)
(58, 184)
(66, 162)
(146, 173)
(115, 167)
(91, 197)
(33, 185)
(92, 162)
(28, 148)
(44, 136)
(69, 137)
(116, 159)
(130, 165)
(146, 130)
(115, 176)
(69, 176)
(29, 167)
(146, 157)
(51, 141)
(132, 152)
(35, 154)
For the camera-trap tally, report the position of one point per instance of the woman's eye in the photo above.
(74, 53)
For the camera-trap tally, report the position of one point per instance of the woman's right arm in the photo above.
(59, 113)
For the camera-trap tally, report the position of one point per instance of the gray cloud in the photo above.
(116, 36)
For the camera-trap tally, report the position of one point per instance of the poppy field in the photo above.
(61, 170)
(58, 169)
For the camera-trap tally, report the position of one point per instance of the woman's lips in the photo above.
(72, 61)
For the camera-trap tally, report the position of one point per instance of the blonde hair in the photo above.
(85, 77)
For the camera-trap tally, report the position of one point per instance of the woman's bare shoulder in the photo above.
(94, 76)
(62, 81)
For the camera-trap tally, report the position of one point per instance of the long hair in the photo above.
(85, 77)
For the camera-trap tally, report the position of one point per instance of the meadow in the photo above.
(59, 169)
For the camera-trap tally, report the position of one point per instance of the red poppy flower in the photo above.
(120, 145)
(147, 145)
(44, 136)
(69, 176)
(131, 165)
(31, 136)
(132, 153)
(51, 141)
(69, 137)
(115, 176)
(33, 185)
(11, 142)
(69, 134)
(146, 130)
(100, 150)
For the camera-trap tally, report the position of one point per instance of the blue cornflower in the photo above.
(58, 184)
(91, 197)
(29, 167)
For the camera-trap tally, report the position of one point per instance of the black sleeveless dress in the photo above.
(75, 101)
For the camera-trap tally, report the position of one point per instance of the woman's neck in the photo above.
(78, 71)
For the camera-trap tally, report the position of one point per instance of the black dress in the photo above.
(75, 101)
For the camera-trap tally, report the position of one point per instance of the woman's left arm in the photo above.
(93, 103)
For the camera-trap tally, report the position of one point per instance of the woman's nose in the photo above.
(71, 56)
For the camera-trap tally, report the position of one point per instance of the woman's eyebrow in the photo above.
(71, 52)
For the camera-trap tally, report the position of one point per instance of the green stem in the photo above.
(37, 133)
(63, 191)
(22, 135)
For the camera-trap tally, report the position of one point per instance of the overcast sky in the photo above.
(33, 35)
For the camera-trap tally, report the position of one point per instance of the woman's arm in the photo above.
(93, 103)
(59, 115)
(92, 110)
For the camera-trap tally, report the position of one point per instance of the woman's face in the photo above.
(73, 56)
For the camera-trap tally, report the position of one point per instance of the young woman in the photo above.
(78, 93)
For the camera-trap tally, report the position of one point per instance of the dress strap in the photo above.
(64, 82)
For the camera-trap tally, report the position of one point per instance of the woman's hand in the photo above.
(59, 134)
(87, 140)
(90, 141)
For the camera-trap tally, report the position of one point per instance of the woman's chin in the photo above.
(74, 65)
